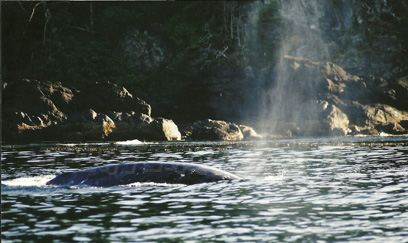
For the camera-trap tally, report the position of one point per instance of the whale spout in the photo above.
(158, 172)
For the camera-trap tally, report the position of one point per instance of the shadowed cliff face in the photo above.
(299, 67)
(305, 93)
(362, 37)
(321, 98)
(298, 53)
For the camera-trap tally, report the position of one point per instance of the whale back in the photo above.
(158, 172)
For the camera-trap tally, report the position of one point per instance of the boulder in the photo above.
(86, 126)
(336, 121)
(249, 133)
(132, 125)
(215, 130)
(113, 126)
(328, 120)
(165, 129)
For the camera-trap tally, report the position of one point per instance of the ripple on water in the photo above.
(296, 190)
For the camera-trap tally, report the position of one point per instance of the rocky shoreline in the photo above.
(37, 111)
(338, 103)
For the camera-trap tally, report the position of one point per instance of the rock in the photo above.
(60, 95)
(27, 107)
(91, 126)
(323, 99)
(101, 111)
(325, 119)
(84, 116)
(376, 118)
(30, 97)
(132, 125)
(356, 130)
(390, 128)
(166, 130)
(249, 133)
(320, 80)
(384, 114)
(337, 121)
(86, 126)
(215, 130)
(106, 96)
(107, 125)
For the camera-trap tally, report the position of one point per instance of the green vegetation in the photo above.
(268, 37)
(80, 42)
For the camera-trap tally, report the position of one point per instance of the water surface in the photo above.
(295, 190)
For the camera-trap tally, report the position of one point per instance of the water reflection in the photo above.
(296, 190)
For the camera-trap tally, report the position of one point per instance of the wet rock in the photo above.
(113, 126)
(335, 119)
(86, 126)
(216, 130)
(132, 125)
(390, 128)
(356, 130)
(249, 132)
(165, 129)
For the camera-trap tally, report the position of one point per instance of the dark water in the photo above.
(300, 190)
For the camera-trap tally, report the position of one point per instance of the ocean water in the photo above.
(294, 190)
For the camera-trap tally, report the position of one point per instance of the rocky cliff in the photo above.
(323, 99)
(36, 111)
(301, 67)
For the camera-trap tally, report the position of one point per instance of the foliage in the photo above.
(386, 25)
(79, 42)
(269, 34)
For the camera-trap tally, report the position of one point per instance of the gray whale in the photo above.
(158, 172)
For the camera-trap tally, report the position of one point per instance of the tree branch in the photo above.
(32, 14)
(83, 29)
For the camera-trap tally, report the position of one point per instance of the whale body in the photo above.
(158, 172)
